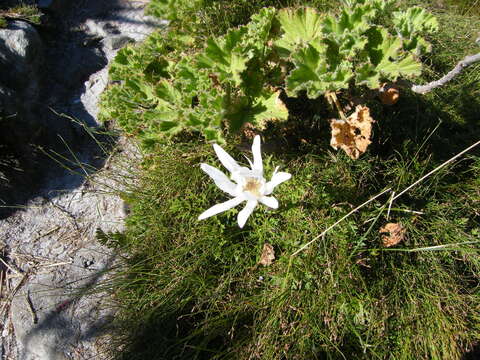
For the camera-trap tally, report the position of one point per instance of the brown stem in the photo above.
(333, 97)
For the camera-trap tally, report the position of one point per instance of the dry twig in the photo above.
(466, 62)
(339, 221)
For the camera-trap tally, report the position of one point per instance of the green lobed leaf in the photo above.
(123, 55)
(153, 58)
(253, 80)
(194, 100)
(386, 60)
(225, 56)
(237, 109)
(258, 32)
(214, 135)
(161, 92)
(357, 19)
(381, 5)
(266, 107)
(299, 26)
(412, 22)
(170, 127)
(367, 74)
(209, 110)
(316, 73)
(418, 45)
(345, 36)
(157, 69)
(167, 93)
(345, 47)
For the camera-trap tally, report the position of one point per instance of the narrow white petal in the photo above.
(226, 160)
(270, 201)
(246, 212)
(216, 209)
(277, 179)
(220, 179)
(257, 155)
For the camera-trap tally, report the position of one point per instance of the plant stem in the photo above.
(332, 97)
(339, 221)
(435, 170)
(423, 89)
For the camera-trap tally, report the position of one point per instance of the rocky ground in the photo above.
(49, 255)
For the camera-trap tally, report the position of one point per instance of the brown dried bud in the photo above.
(389, 94)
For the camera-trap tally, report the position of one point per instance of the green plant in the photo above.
(190, 289)
(239, 78)
(196, 289)
(28, 13)
(174, 10)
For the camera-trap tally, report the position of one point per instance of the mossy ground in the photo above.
(192, 289)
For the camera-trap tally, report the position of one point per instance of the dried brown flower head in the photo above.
(353, 134)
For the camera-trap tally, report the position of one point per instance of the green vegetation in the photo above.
(194, 288)
(28, 13)
(236, 78)
(189, 289)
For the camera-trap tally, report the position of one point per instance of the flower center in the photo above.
(253, 186)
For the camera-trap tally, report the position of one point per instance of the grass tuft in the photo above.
(192, 289)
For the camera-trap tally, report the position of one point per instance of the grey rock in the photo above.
(21, 55)
(45, 4)
(101, 29)
(53, 314)
(21, 58)
(52, 240)
(54, 5)
(20, 38)
(9, 103)
(116, 42)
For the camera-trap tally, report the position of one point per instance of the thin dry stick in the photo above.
(8, 266)
(2, 279)
(339, 221)
(433, 248)
(410, 211)
(12, 294)
(466, 62)
(47, 233)
(435, 170)
(390, 205)
(28, 299)
(58, 264)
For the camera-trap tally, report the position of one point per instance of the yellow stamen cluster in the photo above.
(253, 186)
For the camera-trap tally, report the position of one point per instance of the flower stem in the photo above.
(332, 99)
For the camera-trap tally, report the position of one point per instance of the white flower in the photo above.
(249, 186)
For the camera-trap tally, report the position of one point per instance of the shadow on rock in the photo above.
(45, 104)
(59, 331)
